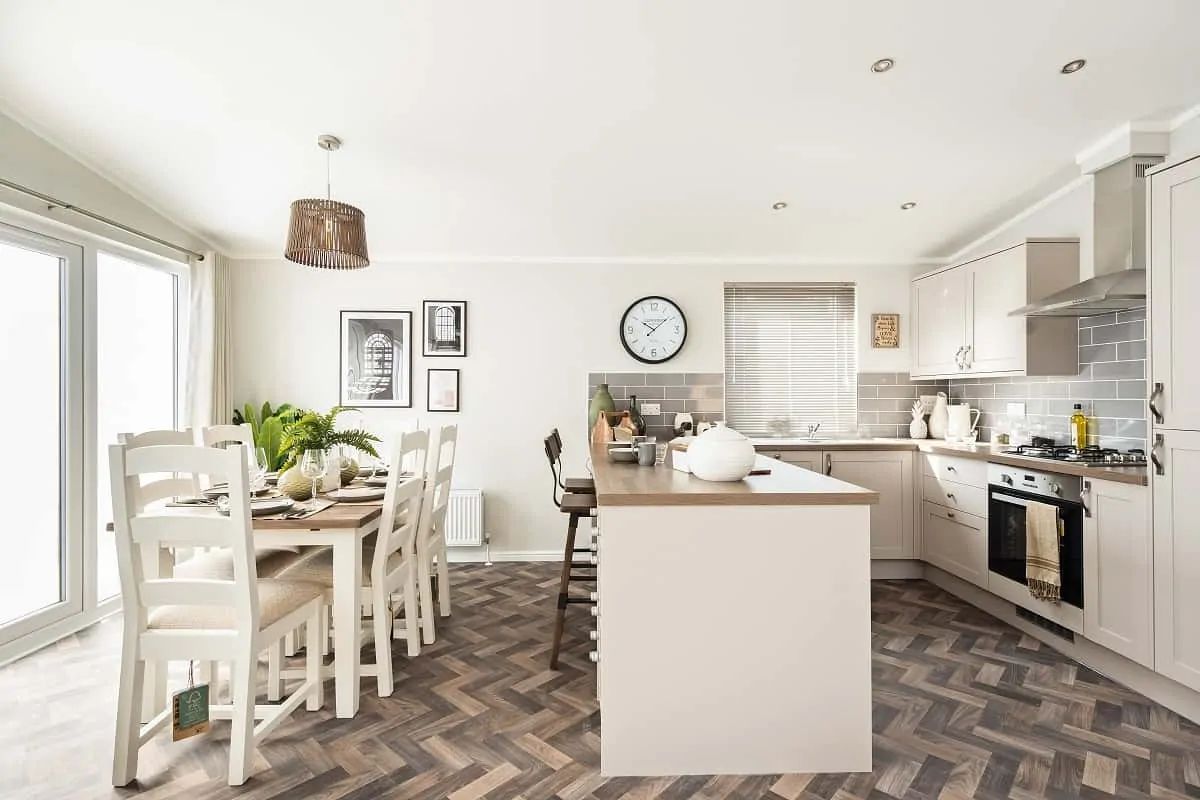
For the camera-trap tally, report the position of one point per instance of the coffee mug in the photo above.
(646, 453)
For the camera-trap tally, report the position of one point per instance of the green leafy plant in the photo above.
(313, 431)
(267, 425)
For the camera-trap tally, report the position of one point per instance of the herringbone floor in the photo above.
(965, 706)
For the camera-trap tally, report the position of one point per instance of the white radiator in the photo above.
(464, 518)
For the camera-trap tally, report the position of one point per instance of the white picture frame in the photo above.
(375, 361)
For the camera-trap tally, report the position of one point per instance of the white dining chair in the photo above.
(389, 581)
(431, 539)
(172, 618)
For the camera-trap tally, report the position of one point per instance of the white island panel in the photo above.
(735, 639)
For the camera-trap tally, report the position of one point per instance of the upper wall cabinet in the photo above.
(960, 315)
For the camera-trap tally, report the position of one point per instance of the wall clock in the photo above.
(653, 329)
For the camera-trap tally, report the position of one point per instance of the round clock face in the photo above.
(653, 330)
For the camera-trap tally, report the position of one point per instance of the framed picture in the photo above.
(376, 359)
(444, 328)
(885, 331)
(442, 386)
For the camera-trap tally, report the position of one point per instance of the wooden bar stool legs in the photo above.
(567, 575)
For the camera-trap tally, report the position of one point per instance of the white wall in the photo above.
(30, 161)
(534, 332)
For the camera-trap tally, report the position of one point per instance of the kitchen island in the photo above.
(733, 619)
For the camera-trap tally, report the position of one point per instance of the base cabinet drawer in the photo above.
(955, 496)
(960, 470)
(955, 541)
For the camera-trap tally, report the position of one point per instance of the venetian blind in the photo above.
(790, 355)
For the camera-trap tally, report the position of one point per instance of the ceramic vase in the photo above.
(917, 429)
(294, 485)
(601, 401)
(939, 418)
(720, 454)
(349, 470)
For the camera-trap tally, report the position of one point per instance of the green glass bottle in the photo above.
(635, 416)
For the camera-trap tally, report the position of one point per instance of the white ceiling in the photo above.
(625, 128)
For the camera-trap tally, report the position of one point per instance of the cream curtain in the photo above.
(208, 400)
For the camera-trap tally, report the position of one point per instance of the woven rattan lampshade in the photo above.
(325, 233)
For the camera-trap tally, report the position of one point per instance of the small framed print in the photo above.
(376, 359)
(442, 387)
(885, 330)
(444, 328)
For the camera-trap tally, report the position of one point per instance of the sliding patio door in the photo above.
(42, 413)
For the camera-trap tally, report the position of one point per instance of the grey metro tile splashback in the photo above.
(701, 394)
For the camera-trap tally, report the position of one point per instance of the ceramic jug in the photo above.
(939, 418)
(960, 422)
(721, 454)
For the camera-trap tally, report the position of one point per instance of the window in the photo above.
(791, 357)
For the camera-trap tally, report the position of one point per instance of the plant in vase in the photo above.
(267, 428)
(313, 431)
(917, 429)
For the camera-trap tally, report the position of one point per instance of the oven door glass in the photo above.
(1006, 539)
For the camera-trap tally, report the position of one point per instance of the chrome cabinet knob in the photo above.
(594, 656)
(1006, 479)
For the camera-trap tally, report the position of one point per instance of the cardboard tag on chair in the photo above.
(189, 712)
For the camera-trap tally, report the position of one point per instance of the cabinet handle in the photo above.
(594, 597)
(967, 360)
(828, 464)
(950, 514)
(594, 657)
(595, 611)
(594, 635)
(1159, 467)
(951, 496)
(958, 357)
(1155, 396)
(1084, 493)
(950, 468)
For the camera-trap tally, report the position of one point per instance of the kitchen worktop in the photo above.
(1137, 476)
(631, 485)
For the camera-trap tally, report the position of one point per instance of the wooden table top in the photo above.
(787, 485)
(340, 516)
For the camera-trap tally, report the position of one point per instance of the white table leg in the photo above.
(347, 644)
(156, 563)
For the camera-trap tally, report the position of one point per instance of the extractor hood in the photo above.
(1119, 247)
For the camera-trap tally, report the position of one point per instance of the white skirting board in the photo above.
(1165, 691)
(478, 555)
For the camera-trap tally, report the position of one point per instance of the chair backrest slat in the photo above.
(214, 435)
(142, 529)
(152, 487)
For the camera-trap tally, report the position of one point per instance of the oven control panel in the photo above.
(1065, 487)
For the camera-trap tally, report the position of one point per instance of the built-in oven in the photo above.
(1010, 490)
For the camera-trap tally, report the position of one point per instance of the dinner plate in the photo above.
(365, 472)
(222, 490)
(377, 482)
(265, 506)
(356, 495)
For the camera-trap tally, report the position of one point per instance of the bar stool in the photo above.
(582, 485)
(577, 505)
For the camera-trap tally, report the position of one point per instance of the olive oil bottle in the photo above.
(1079, 428)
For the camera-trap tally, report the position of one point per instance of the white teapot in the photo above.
(720, 454)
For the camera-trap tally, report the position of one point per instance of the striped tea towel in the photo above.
(1041, 552)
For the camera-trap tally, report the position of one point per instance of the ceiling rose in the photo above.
(324, 233)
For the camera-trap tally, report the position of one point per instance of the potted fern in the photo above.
(313, 431)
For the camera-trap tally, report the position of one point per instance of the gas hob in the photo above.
(1095, 456)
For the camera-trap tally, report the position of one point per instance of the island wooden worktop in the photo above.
(787, 485)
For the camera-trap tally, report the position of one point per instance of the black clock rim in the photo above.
(625, 344)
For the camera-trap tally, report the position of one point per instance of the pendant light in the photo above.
(326, 233)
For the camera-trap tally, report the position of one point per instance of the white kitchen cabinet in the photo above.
(1176, 510)
(890, 473)
(1174, 287)
(939, 322)
(960, 315)
(1118, 569)
(955, 541)
(809, 459)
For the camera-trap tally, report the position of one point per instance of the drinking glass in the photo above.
(256, 467)
(312, 466)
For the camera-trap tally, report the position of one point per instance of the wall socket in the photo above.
(650, 409)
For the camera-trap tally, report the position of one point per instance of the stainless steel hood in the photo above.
(1119, 247)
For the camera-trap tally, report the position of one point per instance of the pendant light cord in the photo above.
(328, 183)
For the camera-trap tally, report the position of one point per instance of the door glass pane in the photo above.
(135, 375)
(31, 574)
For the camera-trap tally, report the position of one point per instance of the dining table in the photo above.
(342, 526)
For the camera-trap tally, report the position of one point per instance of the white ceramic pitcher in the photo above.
(961, 422)
(939, 417)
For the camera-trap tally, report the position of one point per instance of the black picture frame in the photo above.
(375, 352)
(443, 406)
(444, 329)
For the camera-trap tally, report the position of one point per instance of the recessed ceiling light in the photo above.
(1073, 66)
(883, 65)
(780, 206)
(908, 206)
